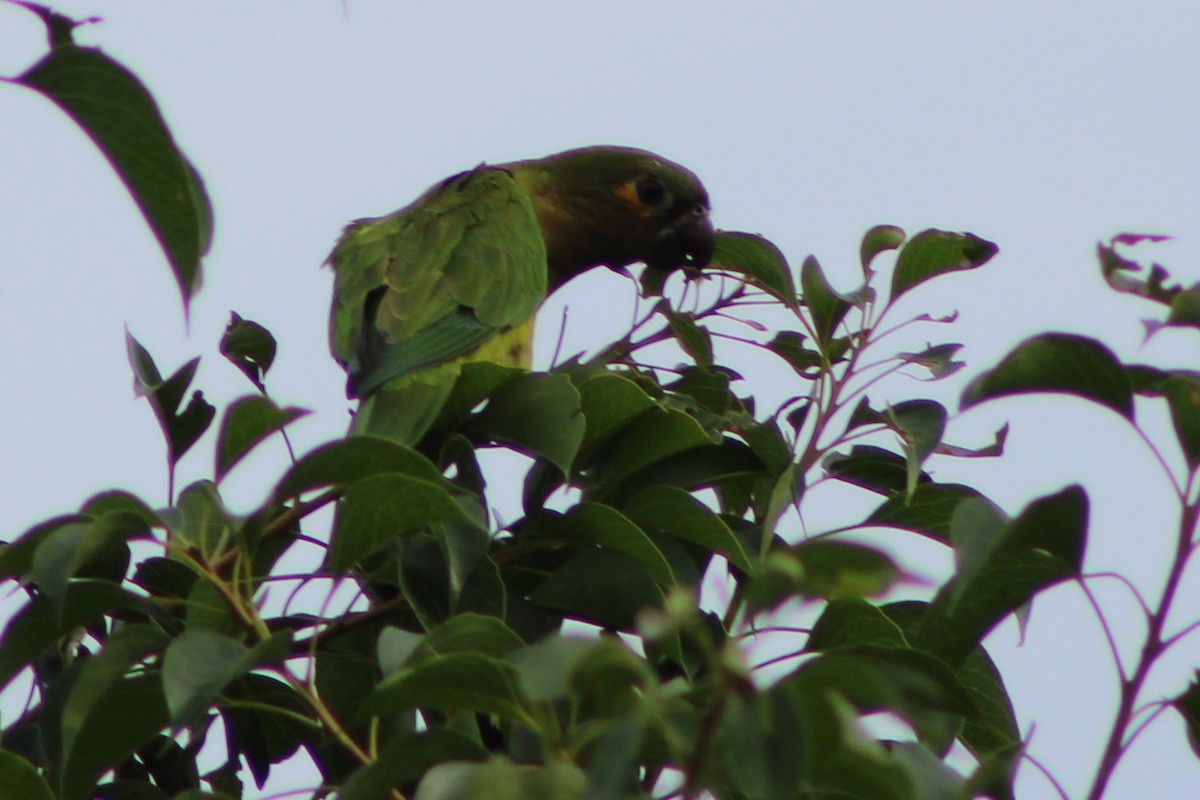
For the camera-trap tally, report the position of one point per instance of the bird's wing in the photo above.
(433, 281)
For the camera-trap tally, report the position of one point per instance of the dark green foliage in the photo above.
(113, 107)
(465, 672)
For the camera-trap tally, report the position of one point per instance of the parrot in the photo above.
(459, 274)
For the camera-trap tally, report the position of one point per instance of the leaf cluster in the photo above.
(608, 641)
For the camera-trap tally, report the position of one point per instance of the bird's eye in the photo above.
(650, 191)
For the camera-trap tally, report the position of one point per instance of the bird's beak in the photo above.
(689, 242)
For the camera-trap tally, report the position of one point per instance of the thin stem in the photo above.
(1151, 650)
(1159, 708)
(778, 659)
(771, 629)
(250, 618)
(562, 333)
(1180, 491)
(1108, 634)
(327, 719)
(1042, 768)
(287, 442)
(1127, 584)
(1174, 639)
(281, 524)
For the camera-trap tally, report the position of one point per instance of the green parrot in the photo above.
(459, 274)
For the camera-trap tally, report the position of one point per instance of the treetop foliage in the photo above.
(606, 643)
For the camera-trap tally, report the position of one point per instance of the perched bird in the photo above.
(459, 274)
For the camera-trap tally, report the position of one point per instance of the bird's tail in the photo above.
(405, 410)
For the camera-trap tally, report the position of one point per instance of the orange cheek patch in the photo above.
(628, 193)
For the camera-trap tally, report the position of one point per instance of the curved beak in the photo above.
(688, 242)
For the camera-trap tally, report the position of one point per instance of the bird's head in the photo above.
(614, 206)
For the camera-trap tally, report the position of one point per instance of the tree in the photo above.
(601, 644)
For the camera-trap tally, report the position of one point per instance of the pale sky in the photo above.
(1044, 127)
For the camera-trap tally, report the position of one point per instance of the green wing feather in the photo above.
(427, 285)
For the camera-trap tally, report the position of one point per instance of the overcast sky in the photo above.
(1044, 127)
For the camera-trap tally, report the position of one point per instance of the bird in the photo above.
(459, 274)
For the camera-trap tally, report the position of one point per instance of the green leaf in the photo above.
(728, 466)
(1185, 308)
(248, 421)
(609, 402)
(916, 685)
(467, 632)
(16, 557)
(165, 577)
(853, 621)
(993, 728)
(478, 381)
(250, 347)
(545, 669)
(499, 779)
(463, 546)
(208, 609)
(938, 359)
(349, 460)
(606, 527)
(200, 663)
(113, 107)
(60, 29)
(709, 388)
(1117, 270)
(695, 340)
(196, 667)
(819, 568)
(462, 681)
(124, 718)
(767, 442)
(879, 239)
(21, 779)
(114, 501)
(653, 436)
(756, 746)
(787, 490)
(205, 523)
(381, 506)
(261, 719)
(1002, 566)
(98, 549)
(1182, 392)
(872, 468)
(1188, 705)
(931, 777)
(675, 511)
(920, 424)
(789, 345)
(539, 414)
(41, 622)
(1055, 525)
(843, 569)
(828, 308)
(759, 260)
(1057, 362)
(928, 511)
(932, 252)
(407, 759)
(102, 673)
(996, 773)
(180, 428)
(600, 585)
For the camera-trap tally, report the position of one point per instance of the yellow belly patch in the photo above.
(511, 348)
